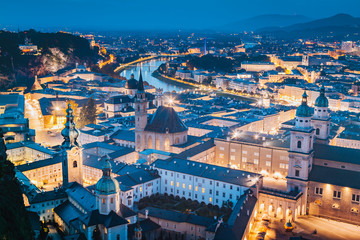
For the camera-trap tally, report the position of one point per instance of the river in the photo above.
(147, 69)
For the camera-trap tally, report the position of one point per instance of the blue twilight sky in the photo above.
(157, 14)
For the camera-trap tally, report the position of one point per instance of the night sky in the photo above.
(157, 14)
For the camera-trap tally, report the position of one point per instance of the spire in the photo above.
(107, 167)
(304, 98)
(141, 83)
(70, 133)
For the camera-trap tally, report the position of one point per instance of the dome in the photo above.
(107, 185)
(322, 100)
(304, 110)
(132, 83)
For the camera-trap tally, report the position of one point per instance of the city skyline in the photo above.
(157, 15)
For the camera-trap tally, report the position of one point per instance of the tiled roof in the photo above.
(39, 164)
(223, 174)
(165, 120)
(335, 176)
(335, 153)
(49, 196)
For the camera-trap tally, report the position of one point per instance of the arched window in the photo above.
(75, 164)
(177, 140)
(167, 144)
(299, 144)
(317, 131)
(150, 142)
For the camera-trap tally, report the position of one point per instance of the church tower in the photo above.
(321, 119)
(301, 148)
(71, 151)
(140, 116)
(107, 191)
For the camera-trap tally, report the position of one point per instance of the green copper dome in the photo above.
(107, 185)
(304, 110)
(322, 100)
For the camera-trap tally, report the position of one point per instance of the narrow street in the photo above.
(53, 233)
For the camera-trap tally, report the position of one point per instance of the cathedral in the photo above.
(164, 129)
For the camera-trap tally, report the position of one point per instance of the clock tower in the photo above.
(71, 151)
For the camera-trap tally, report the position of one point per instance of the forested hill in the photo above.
(58, 50)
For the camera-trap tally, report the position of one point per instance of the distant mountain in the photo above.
(339, 20)
(265, 21)
(332, 28)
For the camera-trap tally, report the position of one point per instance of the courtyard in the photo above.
(187, 206)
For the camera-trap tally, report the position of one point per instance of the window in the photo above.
(183, 176)
(256, 154)
(232, 157)
(299, 144)
(183, 185)
(196, 188)
(74, 164)
(337, 194)
(222, 148)
(268, 155)
(189, 187)
(268, 163)
(165, 181)
(224, 194)
(297, 173)
(244, 159)
(232, 150)
(317, 131)
(111, 200)
(230, 196)
(318, 191)
(217, 193)
(210, 191)
(256, 161)
(355, 198)
(172, 183)
(244, 152)
(221, 155)
(177, 184)
(210, 199)
(103, 200)
(203, 190)
(284, 165)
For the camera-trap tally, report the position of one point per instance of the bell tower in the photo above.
(71, 151)
(107, 191)
(301, 148)
(321, 119)
(140, 116)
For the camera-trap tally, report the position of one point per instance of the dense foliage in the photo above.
(14, 222)
(87, 114)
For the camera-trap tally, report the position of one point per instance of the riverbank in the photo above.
(173, 81)
(181, 83)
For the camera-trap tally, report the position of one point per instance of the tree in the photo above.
(14, 222)
(91, 110)
(87, 114)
